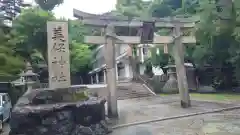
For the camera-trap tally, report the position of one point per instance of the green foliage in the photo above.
(80, 57)
(80, 52)
(80, 96)
(174, 4)
(11, 63)
(30, 31)
(48, 5)
(132, 8)
(77, 31)
(160, 10)
(159, 59)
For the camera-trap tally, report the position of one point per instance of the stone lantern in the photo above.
(171, 86)
(30, 77)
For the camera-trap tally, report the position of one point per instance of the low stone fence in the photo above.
(58, 112)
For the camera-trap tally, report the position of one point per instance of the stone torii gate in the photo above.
(109, 23)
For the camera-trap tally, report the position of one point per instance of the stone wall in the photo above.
(56, 112)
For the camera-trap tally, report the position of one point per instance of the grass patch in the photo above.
(167, 94)
(213, 97)
(217, 97)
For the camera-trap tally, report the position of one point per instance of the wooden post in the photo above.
(180, 68)
(111, 72)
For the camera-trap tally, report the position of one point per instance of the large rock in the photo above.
(51, 112)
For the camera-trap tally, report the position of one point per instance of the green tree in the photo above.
(48, 4)
(80, 52)
(159, 9)
(11, 63)
(30, 32)
(216, 41)
(80, 57)
(133, 8)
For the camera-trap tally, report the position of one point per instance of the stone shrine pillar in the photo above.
(116, 71)
(104, 76)
(91, 79)
(97, 78)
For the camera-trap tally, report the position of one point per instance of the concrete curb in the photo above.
(176, 117)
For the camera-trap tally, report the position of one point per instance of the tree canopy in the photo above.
(48, 5)
(30, 31)
(10, 62)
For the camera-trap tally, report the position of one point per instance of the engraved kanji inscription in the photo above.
(58, 39)
(60, 61)
(58, 47)
(60, 78)
(58, 34)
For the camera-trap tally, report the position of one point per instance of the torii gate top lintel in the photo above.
(105, 19)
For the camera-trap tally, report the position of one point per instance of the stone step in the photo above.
(126, 90)
(133, 96)
(133, 90)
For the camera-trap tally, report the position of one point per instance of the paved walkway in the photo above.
(6, 129)
(211, 124)
(137, 110)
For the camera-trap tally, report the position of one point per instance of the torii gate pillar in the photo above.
(180, 68)
(111, 71)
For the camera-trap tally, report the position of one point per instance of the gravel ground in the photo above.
(6, 129)
(150, 108)
(226, 123)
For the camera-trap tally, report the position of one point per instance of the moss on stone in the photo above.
(78, 96)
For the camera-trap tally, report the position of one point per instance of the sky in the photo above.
(90, 6)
